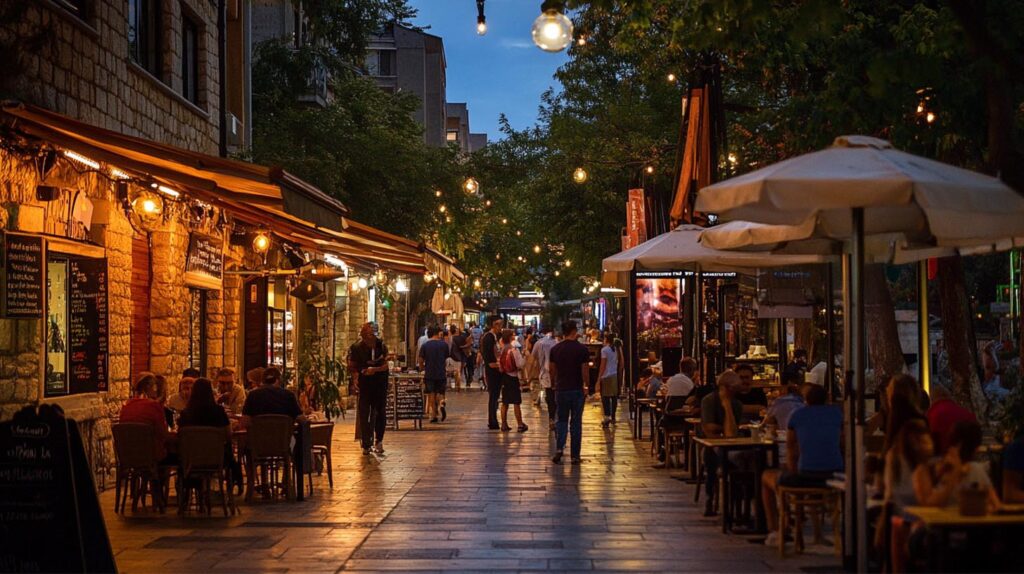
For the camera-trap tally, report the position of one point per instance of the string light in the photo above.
(568, 263)
(536, 248)
(442, 208)
(428, 278)
(437, 193)
(476, 283)
(75, 156)
(504, 221)
(649, 169)
(471, 185)
(168, 191)
(580, 175)
(671, 77)
(552, 30)
(261, 243)
(557, 272)
(481, 20)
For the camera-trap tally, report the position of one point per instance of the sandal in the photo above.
(505, 428)
(522, 428)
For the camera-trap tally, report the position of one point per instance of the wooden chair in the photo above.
(202, 453)
(797, 502)
(674, 447)
(322, 433)
(269, 441)
(138, 472)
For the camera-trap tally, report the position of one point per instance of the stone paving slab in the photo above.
(457, 497)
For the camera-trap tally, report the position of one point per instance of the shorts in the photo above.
(814, 479)
(454, 367)
(435, 386)
(610, 386)
(511, 394)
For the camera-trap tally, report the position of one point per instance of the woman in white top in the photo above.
(609, 379)
(913, 448)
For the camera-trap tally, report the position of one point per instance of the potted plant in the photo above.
(320, 378)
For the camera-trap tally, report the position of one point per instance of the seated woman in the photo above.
(203, 410)
(941, 486)
(912, 449)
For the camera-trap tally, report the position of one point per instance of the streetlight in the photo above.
(552, 30)
(580, 175)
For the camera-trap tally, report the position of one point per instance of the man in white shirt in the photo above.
(542, 355)
(680, 384)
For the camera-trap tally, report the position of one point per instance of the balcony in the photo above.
(318, 86)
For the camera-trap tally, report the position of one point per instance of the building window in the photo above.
(197, 329)
(76, 325)
(453, 135)
(144, 43)
(381, 63)
(76, 7)
(189, 58)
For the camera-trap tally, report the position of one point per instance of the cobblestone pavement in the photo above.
(456, 496)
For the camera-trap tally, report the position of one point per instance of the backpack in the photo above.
(507, 360)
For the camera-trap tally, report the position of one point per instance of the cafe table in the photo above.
(726, 445)
(940, 522)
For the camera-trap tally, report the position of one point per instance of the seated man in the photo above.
(650, 382)
(179, 400)
(270, 399)
(784, 406)
(812, 457)
(719, 418)
(229, 393)
(680, 384)
(144, 408)
(754, 400)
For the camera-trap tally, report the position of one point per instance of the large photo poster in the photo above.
(659, 313)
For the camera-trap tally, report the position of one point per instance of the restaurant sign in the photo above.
(204, 265)
(23, 276)
(636, 219)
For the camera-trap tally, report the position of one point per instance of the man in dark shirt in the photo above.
(569, 367)
(492, 374)
(460, 347)
(798, 368)
(270, 399)
(753, 399)
(367, 361)
(720, 415)
(432, 359)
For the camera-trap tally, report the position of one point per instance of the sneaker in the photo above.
(772, 539)
(378, 448)
(444, 412)
(557, 459)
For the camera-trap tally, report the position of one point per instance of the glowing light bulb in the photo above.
(580, 175)
(437, 193)
(568, 263)
(362, 282)
(557, 272)
(471, 185)
(442, 208)
(671, 77)
(476, 283)
(504, 221)
(930, 117)
(649, 169)
(536, 248)
(261, 243)
(481, 27)
(552, 30)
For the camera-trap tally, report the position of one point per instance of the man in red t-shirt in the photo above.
(943, 416)
(143, 408)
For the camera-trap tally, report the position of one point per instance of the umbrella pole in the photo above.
(859, 364)
(924, 358)
(849, 428)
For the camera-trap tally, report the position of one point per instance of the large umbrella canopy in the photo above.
(680, 249)
(925, 201)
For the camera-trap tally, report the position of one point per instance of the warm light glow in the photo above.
(580, 175)
(437, 193)
(442, 209)
(497, 256)
(147, 206)
(597, 284)
(401, 285)
(471, 185)
(552, 31)
(481, 28)
(671, 77)
(649, 169)
(81, 159)
(354, 285)
(362, 282)
(581, 41)
(732, 158)
(504, 221)
(519, 232)
(557, 272)
(476, 283)
(920, 108)
(261, 243)
(930, 117)
(487, 203)
(428, 278)
(536, 248)
(447, 219)
(118, 174)
(381, 277)
(169, 191)
(568, 263)
(447, 295)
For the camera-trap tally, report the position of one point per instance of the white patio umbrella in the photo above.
(905, 205)
(681, 250)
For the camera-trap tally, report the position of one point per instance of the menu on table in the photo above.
(88, 330)
(23, 276)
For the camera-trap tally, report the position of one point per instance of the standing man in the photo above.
(460, 347)
(492, 374)
(432, 361)
(475, 333)
(542, 357)
(367, 361)
(570, 375)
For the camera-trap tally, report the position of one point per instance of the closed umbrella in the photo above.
(875, 200)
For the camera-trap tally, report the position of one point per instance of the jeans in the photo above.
(570, 404)
(493, 377)
(610, 404)
(549, 399)
(469, 367)
(372, 414)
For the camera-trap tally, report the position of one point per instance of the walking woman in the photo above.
(510, 361)
(609, 370)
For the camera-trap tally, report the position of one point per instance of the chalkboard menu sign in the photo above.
(204, 265)
(50, 518)
(88, 330)
(405, 399)
(23, 280)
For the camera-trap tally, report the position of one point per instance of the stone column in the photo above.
(169, 323)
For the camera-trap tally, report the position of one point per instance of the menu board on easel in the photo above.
(23, 276)
(88, 330)
(405, 400)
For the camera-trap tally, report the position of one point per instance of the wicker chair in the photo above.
(269, 441)
(202, 453)
(322, 434)
(138, 471)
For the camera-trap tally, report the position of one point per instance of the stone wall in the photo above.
(81, 68)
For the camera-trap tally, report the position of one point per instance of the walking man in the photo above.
(541, 356)
(492, 373)
(432, 361)
(570, 376)
(460, 347)
(367, 361)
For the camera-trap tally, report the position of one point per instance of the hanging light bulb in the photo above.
(519, 232)
(476, 283)
(437, 193)
(148, 206)
(487, 203)
(481, 20)
(568, 263)
(442, 209)
(649, 169)
(580, 175)
(428, 278)
(504, 221)
(536, 248)
(552, 30)
(362, 282)
(671, 77)
(557, 272)
(471, 185)
(261, 243)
